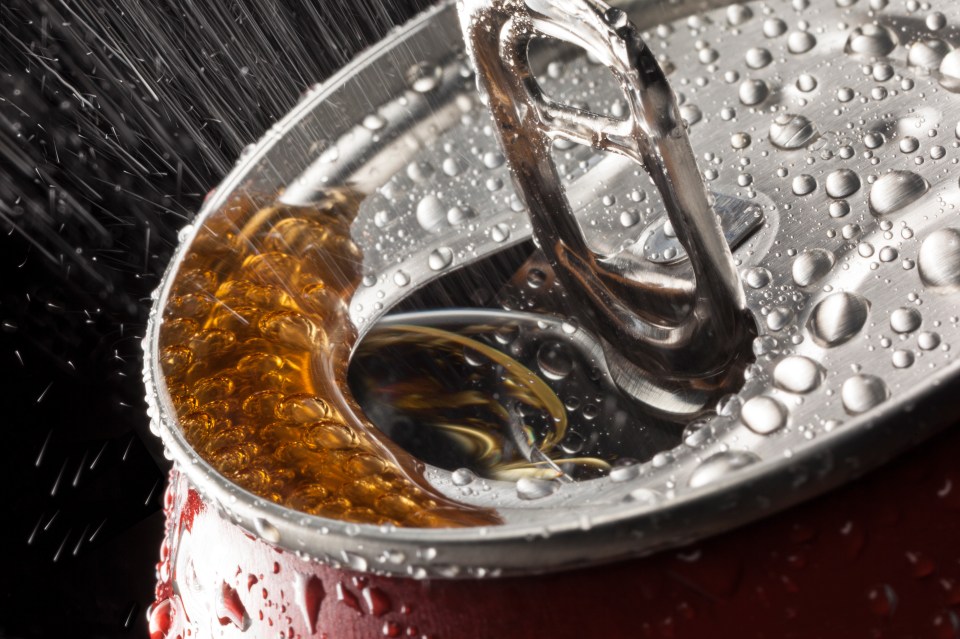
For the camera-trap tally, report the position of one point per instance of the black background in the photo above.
(115, 119)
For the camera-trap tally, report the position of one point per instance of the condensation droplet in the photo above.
(895, 190)
(871, 40)
(860, 393)
(529, 488)
(720, 465)
(797, 374)
(905, 320)
(791, 131)
(810, 267)
(939, 259)
(763, 415)
(837, 318)
(842, 183)
(440, 258)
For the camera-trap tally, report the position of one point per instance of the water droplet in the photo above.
(860, 393)
(905, 320)
(492, 159)
(309, 594)
(809, 267)
(430, 212)
(624, 472)
(806, 83)
(374, 122)
(804, 185)
(462, 477)
(778, 318)
(529, 488)
(629, 218)
(644, 497)
(500, 232)
(871, 40)
(837, 318)
(440, 258)
(554, 360)
(895, 190)
(774, 27)
(901, 359)
(720, 465)
(266, 530)
(757, 58)
(939, 259)
(928, 340)
(790, 131)
(737, 14)
(378, 604)
(458, 215)
(451, 167)
(839, 208)
(740, 140)
(927, 54)
(400, 278)
(229, 608)
(797, 374)
(756, 277)
(763, 415)
(950, 71)
(842, 183)
(424, 77)
(909, 144)
(800, 42)
(753, 92)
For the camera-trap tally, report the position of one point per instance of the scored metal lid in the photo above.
(826, 139)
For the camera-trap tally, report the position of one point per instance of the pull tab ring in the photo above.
(662, 331)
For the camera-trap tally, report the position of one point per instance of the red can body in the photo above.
(877, 558)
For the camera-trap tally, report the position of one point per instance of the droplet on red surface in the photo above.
(230, 609)
(164, 619)
(309, 593)
(921, 564)
(883, 600)
(348, 598)
(391, 629)
(377, 601)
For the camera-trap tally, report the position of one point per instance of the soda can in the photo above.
(507, 325)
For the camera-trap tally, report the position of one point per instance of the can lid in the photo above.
(826, 146)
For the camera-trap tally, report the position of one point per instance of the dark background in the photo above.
(115, 119)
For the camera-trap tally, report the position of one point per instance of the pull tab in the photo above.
(664, 331)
